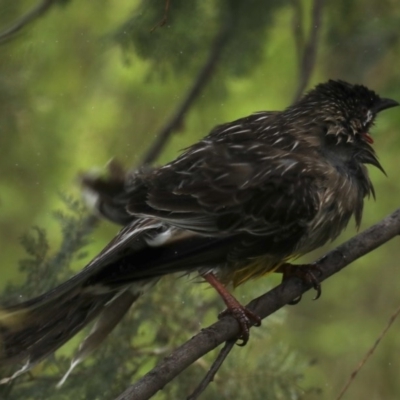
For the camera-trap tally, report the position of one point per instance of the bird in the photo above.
(241, 203)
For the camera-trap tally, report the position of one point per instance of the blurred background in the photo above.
(83, 82)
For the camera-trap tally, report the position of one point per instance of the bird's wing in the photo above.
(232, 182)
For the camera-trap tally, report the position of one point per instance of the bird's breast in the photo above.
(340, 197)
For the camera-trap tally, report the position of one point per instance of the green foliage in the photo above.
(183, 45)
(42, 271)
(369, 35)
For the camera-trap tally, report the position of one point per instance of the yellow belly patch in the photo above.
(257, 268)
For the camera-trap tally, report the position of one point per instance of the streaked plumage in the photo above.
(248, 197)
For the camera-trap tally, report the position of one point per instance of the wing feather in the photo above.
(233, 181)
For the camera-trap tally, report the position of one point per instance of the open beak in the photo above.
(384, 104)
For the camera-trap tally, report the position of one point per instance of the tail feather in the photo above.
(32, 330)
(109, 318)
(32, 333)
(105, 289)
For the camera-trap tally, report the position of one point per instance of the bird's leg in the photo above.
(306, 272)
(243, 316)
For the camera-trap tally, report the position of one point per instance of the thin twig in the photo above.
(369, 354)
(213, 370)
(36, 12)
(307, 61)
(199, 84)
(298, 29)
(164, 18)
(228, 329)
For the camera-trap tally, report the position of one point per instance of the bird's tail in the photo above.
(131, 263)
(31, 331)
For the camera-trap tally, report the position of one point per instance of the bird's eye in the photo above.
(364, 110)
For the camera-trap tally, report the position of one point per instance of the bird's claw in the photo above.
(245, 319)
(307, 273)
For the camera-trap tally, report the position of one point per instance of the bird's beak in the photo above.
(384, 104)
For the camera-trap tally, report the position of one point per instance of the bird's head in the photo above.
(348, 110)
(346, 113)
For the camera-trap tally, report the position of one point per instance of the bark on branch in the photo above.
(307, 59)
(33, 14)
(204, 76)
(227, 328)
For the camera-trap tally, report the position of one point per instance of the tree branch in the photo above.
(194, 92)
(36, 12)
(310, 50)
(227, 328)
(298, 29)
(213, 370)
(164, 18)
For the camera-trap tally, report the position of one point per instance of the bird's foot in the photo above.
(308, 273)
(243, 316)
